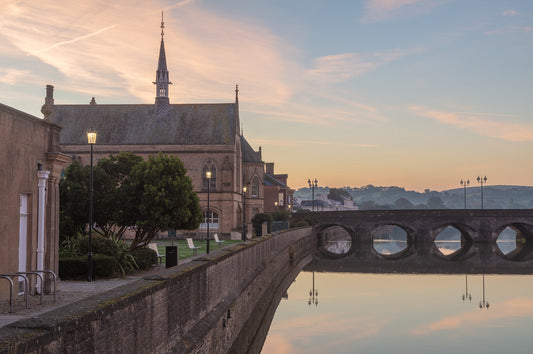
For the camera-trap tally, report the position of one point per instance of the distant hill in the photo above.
(375, 197)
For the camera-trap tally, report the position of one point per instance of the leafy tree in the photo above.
(109, 176)
(74, 196)
(338, 194)
(403, 203)
(159, 196)
(435, 203)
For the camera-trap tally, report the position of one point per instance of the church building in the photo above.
(205, 137)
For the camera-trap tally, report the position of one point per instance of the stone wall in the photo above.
(211, 305)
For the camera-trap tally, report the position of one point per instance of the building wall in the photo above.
(225, 199)
(27, 141)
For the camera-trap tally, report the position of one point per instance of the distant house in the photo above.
(29, 190)
(278, 195)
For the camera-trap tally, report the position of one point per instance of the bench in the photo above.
(153, 246)
(192, 246)
(219, 243)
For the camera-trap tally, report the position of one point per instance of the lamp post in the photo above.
(465, 184)
(244, 213)
(481, 181)
(208, 176)
(91, 139)
(312, 185)
(484, 304)
(313, 294)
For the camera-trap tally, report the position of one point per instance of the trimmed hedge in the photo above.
(76, 267)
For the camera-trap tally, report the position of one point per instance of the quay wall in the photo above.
(214, 304)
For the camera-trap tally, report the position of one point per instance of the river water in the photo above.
(404, 313)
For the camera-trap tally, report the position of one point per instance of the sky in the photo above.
(412, 93)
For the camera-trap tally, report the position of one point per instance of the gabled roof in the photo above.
(248, 153)
(127, 124)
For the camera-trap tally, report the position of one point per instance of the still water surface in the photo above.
(404, 313)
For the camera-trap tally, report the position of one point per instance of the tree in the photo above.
(159, 196)
(110, 198)
(74, 196)
(403, 203)
(435, 203)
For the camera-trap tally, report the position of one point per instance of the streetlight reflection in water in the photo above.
(404, 313)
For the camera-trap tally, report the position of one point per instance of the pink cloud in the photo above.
(480, 124)
(512, 308)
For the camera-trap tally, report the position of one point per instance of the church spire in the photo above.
(161, 77)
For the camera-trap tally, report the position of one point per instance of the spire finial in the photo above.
(237, 93)
(162, 25)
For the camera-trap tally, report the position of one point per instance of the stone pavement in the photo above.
(69, 291)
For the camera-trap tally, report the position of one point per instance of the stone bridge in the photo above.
(479, 230)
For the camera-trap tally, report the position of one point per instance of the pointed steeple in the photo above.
(161, 77)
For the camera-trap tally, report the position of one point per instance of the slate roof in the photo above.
(248, 153)
(127, 124)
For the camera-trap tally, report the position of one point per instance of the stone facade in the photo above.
(29, 182)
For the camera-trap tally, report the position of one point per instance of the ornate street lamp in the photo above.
(467, 295)
(313, 294)
(244, 213)
(465, 184)
(484, 304)
(91, 139)
(208, 176)
(482, 180)
(312, 185)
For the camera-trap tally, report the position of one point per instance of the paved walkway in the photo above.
(69, 291)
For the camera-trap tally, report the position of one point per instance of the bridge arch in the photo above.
(523, 237)
(377, 235)
(466, 241)
(338, 245)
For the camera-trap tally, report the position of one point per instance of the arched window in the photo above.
(255, 187)
(213, 220)
(209, 166)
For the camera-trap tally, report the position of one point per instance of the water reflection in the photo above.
(390, 240)
(405, 313)
(313, 293)
(335, 240)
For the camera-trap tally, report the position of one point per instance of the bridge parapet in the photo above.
(479, 230)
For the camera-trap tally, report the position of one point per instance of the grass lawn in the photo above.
(183, 249)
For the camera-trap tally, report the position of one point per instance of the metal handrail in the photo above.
(42, 283)
(26, 285)
(53, 275)
(10, 291)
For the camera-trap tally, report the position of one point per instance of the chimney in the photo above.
(270, 168)
(47, 108)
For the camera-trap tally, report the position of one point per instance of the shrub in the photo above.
(144, 257)
(119, 251)
(75, 266)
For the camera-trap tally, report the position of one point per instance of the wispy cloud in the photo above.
(343, 67)
(74, 40)
(303, 142)
(510, 13)
(379, 10)
(468, 320)
(486, 124)
(12, 76)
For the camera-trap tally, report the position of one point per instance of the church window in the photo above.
(213, 220)
(255, 187)
(209, 166)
